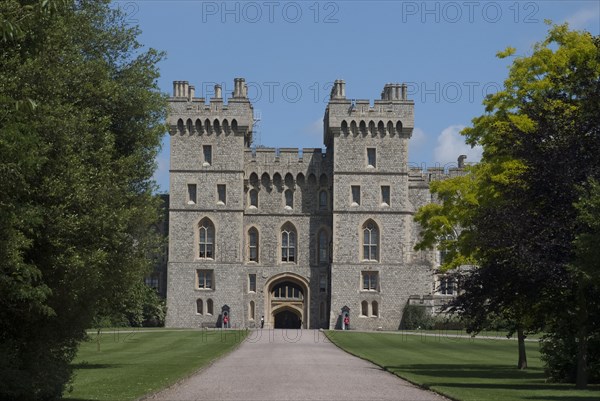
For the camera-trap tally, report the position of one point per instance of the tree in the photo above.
(76, 199)
(541, 142)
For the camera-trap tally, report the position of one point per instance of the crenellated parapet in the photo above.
(191, 115)
(392, 115)
(307, 165)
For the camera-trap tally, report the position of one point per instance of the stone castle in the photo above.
(296, 235)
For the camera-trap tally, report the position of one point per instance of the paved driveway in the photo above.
(293, 365)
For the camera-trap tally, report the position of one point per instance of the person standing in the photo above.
(262, 322)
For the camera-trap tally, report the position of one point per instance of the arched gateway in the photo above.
(287, 301)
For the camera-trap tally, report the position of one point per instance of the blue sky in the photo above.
(291, 51)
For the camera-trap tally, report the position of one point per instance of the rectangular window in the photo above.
(251, 282)
(370, 281)
(371, 157)
(205, 279)
(385, 195)
(446, 286)
(191, 194)
(355, 195)
(253, 245)
(323, 284)
(207, 152)
(222, 193)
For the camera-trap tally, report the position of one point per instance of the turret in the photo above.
(191, 115)
(392, 115)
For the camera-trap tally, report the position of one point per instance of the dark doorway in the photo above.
(287, 320)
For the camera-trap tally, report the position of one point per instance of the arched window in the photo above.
(323, 200)
(375, 309)
(287, 290)
(323, 247)
(370, 241)
(206, 239)
(289, 199)
(288, 243)
(253, 198)
(364, 308)
(251, 310)
(253, 245)
(209, 306)
(199, 307)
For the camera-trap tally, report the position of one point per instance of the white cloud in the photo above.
(582, 18)
(450, 145)
(418, 137)
(314, 129)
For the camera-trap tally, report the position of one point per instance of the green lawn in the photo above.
(125, 364)
(462, 369)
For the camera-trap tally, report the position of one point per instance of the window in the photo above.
(151, 282)
(205, 279)
(288, 244)
(323, 251)
(447, 286)
(443, 247)
(385, 195)
(322, 311)
(355, 195)
(251, 282)
(371, 157)
(253, 198)
(207, 152)
(287, 290)
(370, 281)
(253, 245)
(323, 284)
(209, 306)
(370, 241)
(206, 239)
(374, 309)
(289, 199)
(222, 194)
(364, 308)
(251, 310)
(191, 194)
(323, 200)
(199, 309)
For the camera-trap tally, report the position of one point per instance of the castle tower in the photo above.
(206, 202)
(373, 268)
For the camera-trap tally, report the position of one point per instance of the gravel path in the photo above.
(293, 365)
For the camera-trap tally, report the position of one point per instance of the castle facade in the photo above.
(295, 235)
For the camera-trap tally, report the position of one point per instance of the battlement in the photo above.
(286, 156)
(191, 115)
(391, 115)
(427, 174)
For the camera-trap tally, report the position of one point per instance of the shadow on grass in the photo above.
(492, 377)
(474, 371)
(85, 365)
(592, 397)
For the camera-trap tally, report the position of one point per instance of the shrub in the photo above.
(416, 317)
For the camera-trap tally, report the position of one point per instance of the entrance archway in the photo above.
(287, 319)
(287, 301)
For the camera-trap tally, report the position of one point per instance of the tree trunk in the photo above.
(582, 368)
(522, 352)
(582, 343)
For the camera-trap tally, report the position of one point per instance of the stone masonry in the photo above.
(294, 235)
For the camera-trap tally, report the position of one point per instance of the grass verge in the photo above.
(127, 364)
(462, 369)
